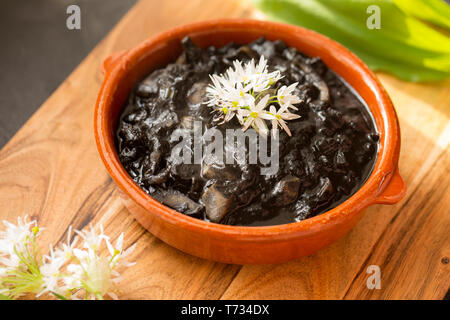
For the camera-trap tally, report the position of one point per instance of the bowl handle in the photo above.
(393, 192)
(109, 62)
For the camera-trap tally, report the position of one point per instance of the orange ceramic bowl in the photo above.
(236, 244)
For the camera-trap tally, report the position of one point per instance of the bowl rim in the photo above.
(384, 169)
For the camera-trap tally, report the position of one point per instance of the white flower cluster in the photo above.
(67, 272)
(244, 91)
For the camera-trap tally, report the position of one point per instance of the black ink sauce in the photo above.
(330, 155)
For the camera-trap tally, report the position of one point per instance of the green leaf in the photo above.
(433, 11)
(60, 297)
(3, 297)
(403, 46)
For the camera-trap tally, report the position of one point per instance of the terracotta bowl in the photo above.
(233, 244)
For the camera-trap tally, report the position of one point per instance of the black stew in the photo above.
(330, 155)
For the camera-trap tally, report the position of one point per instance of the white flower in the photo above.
(226, 92)
(3, 271)
(91, 239)
(237, 93)
(94, 273)
(19, 259)
(260, 78)
(68, 247)
(67, 272)
(234, 85)
(238, 74)
(278, 118)
(118, 255)
(255, 116)
(236, 107)
(286, 98)
(51, 273)
(54, 280)
(16, 238)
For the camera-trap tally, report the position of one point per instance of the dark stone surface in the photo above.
(38, 51)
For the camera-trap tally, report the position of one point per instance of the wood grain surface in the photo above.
(51, 170)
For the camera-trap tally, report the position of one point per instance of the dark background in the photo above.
(38, 52)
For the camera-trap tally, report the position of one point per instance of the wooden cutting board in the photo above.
(51, 170)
